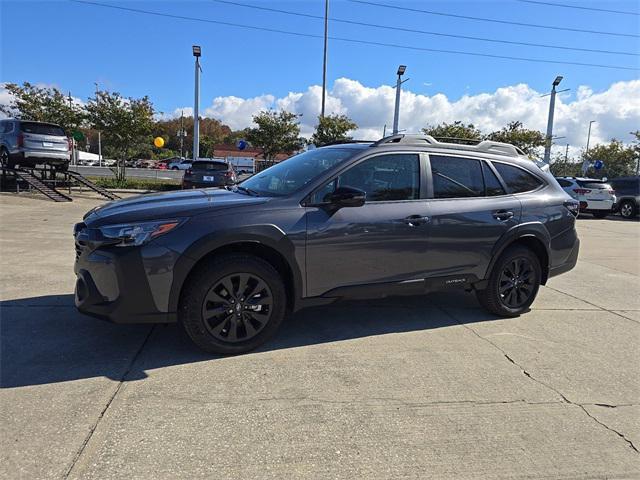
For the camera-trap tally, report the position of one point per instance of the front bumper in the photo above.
(125, 285)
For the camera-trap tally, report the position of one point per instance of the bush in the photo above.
(138, 184)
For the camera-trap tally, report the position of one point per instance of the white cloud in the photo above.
(616, 110)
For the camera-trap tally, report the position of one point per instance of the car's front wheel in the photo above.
(233, 304)
(513, 283)
(628, 209)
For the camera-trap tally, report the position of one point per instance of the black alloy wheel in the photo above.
(237, 307)
(516, 283)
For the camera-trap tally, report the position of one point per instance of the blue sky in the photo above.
(74, 45)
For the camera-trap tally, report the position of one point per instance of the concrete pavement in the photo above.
(428, 387)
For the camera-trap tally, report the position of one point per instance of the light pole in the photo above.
(585, 161)
(552, 106)
(324, 60)
(399, 82)
(99, 139)
(196, 114)
(182, 133)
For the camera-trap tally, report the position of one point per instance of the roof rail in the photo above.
(487, 146)
(340, 142)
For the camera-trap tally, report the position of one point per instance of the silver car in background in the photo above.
(28, 144)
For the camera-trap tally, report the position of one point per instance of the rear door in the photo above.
(470, 211)
(44, 136)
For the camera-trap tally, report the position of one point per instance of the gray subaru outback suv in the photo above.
(401, 216)
(28, 144)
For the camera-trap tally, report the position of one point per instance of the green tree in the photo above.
(619, 160)
(43, 104)
(277, 132)
(332, 128)
(455, 130)
(127, 126)
(515, 134)
(564, 167)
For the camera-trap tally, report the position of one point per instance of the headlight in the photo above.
(135, 234)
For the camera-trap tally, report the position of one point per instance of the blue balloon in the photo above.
(598, 164)
(241, 145)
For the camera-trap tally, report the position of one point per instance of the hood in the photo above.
(178, 204)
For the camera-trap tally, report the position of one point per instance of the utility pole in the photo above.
(196, 114)
(74, 160)
(99, 139)
(182, 134)
(324, 61)
(566, 153)
(552, 106)
(585, 160)
(396, 112)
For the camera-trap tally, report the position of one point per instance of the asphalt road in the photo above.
(429, 387)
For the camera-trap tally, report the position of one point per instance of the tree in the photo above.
(332, 128)
(43, 104)
(457, 130)
(619, 160)
(564, 167)
(127, 125)
(277, 132)
(515, 134)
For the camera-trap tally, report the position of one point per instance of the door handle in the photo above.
(503, 215)
(415, 220)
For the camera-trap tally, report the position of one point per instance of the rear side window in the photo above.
(517, 179)
(210, 166)
(492, 185)
(455, 177)
(42, 129)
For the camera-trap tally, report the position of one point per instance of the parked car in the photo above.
(627, 195)
(596, 196)
(401, 216)
(182, 164)
(209, 173)
(28, 144)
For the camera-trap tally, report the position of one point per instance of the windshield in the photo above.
(294, 173)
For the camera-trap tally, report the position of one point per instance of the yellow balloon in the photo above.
(158, 142)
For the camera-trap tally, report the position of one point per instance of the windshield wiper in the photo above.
(248, 191)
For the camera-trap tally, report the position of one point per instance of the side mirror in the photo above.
(347, 197)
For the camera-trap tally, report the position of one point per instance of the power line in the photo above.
(493, 20)
(594, 9)
(350, 40)
(426, 32)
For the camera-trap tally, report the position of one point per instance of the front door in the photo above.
(382, 241)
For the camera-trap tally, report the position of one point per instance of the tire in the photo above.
(525, 292)
(241, 324)
(628, 209)
(600, 214)
(63, 167)
(174, 168)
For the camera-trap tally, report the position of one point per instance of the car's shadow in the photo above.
(45, 340)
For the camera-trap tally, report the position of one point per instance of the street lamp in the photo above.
(552, 106)
(197, 52)
(399, 82)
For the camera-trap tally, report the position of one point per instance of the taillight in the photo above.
(70, 143)
(573, 207)
(581, 191)
(612, 192)
(188, 171)
(20, 140)
(228, 174)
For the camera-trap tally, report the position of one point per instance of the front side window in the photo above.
(456, 177)
(517, 179)
(290, 175)
(394, 177)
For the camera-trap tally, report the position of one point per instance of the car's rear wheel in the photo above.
(233, 304)
(628, 209)
(600, 213)
(513, 283)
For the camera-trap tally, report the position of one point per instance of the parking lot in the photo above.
(429, 387)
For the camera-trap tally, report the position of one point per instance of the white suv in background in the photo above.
(595, 196)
